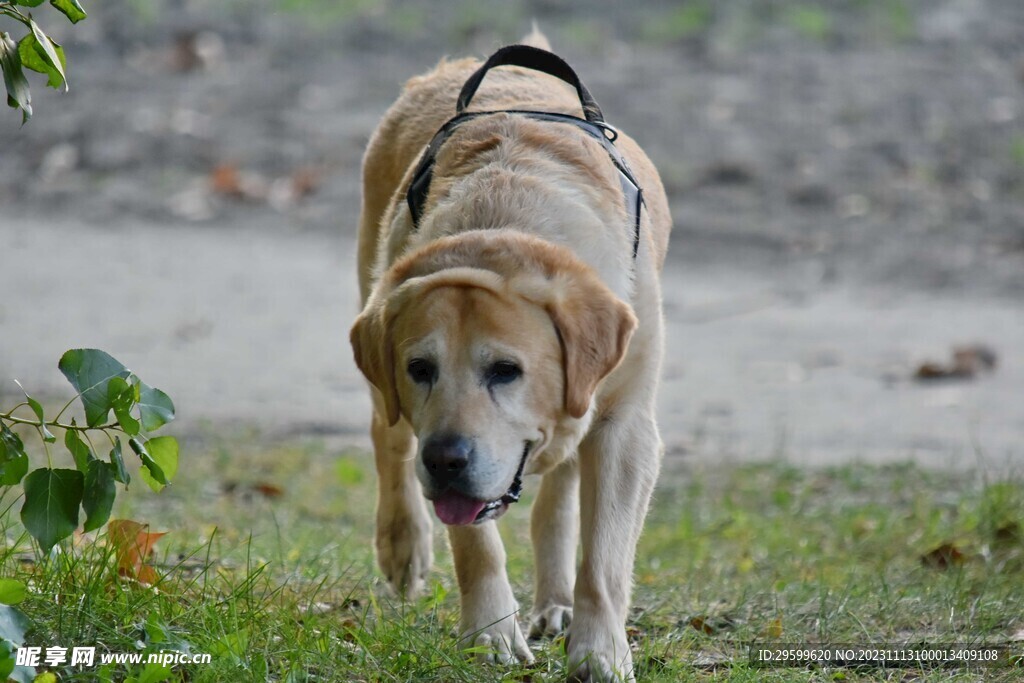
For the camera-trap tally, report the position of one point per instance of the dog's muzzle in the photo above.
(496, 508)
(456, 509)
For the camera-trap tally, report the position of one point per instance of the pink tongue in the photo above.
(455, 509)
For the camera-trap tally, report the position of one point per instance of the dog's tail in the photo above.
(536, 39)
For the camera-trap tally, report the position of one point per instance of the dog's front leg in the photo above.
(554, 528)
(403, 538)
(619, 463)
(488, 606)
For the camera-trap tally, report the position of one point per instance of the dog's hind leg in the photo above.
(555, 529)
(489, 608)
(403, 538)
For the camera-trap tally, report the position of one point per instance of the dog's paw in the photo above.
(489, 624)
(501, 643)
(595, 667)
(404, 551)
(550, 621)
(599, 657)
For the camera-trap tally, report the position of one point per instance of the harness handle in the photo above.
(538, 60)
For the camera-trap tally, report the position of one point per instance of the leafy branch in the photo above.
(54, 423)
(53, 496)
(35, 51)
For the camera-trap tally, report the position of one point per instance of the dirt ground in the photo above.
(847, 181)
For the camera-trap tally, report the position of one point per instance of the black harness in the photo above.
(593, 125)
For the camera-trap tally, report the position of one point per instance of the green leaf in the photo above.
(121, 396)
(71, 9)
(6, 660)
(162, 453)
(155, 407)
(234, 645)
(12, 591)
(90, 371)
(149, 464)
(48, 52)
(9, 670)
(13, 459)
(37, 408)
(52, 498)
(156, 631)
(28, 3)
(154, 673)
(34, 57)
(98, 497)
(13, 624)
(79, 451)
(160, 636)
(164, 450)
(120, 473)
(18, 94)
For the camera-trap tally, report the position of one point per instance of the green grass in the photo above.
(809, 21)
(1017, 150)
(687, 20)
(284, 587)
(331, 12)
(898, 21)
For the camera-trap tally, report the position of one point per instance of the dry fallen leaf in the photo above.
(712, 625)
(268, 490)
(225, 180)
(967, 362)
(133, 544)
(228, 180)
(350, 629)
(943, 557)
(700, 623)
(932, 370)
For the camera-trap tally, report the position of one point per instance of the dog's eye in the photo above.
(422, 371)
(503, 372)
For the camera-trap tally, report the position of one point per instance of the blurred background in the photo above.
(846, 276)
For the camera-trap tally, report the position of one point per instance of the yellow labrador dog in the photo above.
(512, 325)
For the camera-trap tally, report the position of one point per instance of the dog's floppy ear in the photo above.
(594, 327)
(374, 354)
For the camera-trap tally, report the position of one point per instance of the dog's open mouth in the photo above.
(454, 509)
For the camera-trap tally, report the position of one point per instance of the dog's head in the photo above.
(485, 342)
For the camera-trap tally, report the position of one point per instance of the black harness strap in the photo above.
(538, 60)
(593, 125)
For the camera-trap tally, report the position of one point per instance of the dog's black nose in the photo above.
(446, 455)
